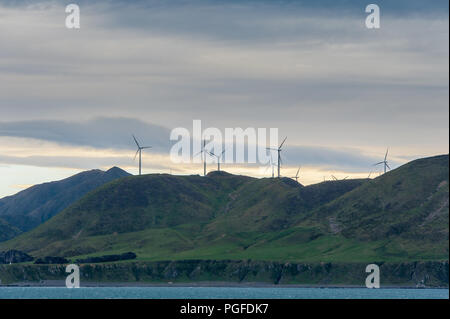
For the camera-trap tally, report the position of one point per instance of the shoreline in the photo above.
(61, 284)
(211, 273)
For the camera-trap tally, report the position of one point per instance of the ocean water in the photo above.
(217, 292)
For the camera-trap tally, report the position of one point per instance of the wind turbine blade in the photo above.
(388, 165)
(136, 154)
(296, 175)
(135, 140)
(199, 153)
(385, 156)
(282, 143)
(345, 177)
(378, 163)
(145, 147)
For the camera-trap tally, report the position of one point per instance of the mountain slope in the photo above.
(405, 211)
(179, 212)
(139, 202)
(399, 216)
(410, 202)
(33, 206)
(275, 204)
(7, 231)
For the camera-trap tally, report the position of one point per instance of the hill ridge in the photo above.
(32, 206)
(162, 216)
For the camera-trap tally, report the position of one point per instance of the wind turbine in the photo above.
(204, 152)
(272, 164)
(296, 175)
(336, 179)
(385, 162)
(139, 150)
(279, 154)
(218, 158)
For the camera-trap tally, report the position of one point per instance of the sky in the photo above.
(342, 93)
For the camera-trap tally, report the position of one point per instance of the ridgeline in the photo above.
(399, 217)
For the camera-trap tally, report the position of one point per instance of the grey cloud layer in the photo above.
(308, 67)
(398, 6)
(114, 133)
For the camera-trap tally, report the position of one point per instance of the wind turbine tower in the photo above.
(296, 175)
(279, 149)
(204, 152)
(139, 150)
(271, 165)
(204, 158)
(218, 158)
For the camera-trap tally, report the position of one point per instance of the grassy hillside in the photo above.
(7, 231)
(399, 216)
(33, 206)
(409, 204)
(266, 205)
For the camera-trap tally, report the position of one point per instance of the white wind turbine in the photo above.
(204, 151)
(384, 162)
(139, 150)
(218, 158)
(279, 155)
(296, 177)
(271, 165)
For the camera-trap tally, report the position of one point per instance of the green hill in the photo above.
(399, 216)
(7, 231)
(35, 205)
(407, 209)
(410, 202)
(266, 205)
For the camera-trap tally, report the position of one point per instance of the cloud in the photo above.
(309, 68)
(103, 132)
(77, 162)
(112, 134)
(346, 159)
(353, 161)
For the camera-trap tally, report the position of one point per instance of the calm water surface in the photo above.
(218, 292)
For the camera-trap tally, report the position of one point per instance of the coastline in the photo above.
(203, 284)
(228, 273)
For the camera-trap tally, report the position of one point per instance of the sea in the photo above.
(218, 293)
